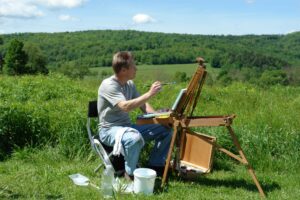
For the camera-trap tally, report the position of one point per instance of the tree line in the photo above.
(84, 49)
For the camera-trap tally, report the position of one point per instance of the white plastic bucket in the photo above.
(144, 180)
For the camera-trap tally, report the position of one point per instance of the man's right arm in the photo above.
(129, 105)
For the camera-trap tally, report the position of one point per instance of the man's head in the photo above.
(123, 63)
(122, 59)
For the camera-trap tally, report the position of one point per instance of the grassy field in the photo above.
(162, 73)
(154, 69)
(44, 175)
(54, 108)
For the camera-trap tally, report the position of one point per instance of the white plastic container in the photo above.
(144, 180)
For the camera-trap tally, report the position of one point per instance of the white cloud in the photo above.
(142, 19)
(19, 8)
(33, 8)
(62, 3)
(66, 18)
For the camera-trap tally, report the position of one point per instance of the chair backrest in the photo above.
(103, 150)
(92, 109)
(92, 113)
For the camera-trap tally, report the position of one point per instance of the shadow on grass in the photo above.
(157, 187)
(209, 182)
(8, 194)
(237, 183)
(226, 165)
(58, 196)
(5, 193)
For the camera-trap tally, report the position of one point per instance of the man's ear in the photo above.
(123, 69)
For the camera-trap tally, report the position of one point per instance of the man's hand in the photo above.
(155, 88)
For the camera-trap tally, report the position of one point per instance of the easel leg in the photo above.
(250, 170)
(175, 127)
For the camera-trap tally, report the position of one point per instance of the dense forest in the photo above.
(243, 57)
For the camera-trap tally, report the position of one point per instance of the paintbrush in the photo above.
(166, 83)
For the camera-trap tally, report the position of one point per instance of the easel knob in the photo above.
(201, 62)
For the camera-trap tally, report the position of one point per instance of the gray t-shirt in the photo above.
(110, 93)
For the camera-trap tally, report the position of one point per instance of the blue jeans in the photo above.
(132, 143)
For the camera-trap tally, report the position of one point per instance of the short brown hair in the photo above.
(121, 59)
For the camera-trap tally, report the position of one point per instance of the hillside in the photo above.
(95, 48)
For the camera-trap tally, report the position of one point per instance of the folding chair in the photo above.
(102, 150)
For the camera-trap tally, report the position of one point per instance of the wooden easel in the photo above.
(182, 119)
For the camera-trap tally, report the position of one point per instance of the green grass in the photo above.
(267, 125)
(162, 73)
(43, 174)
(188, 68)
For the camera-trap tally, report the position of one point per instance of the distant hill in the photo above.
(95, 48)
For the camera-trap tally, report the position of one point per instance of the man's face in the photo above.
(131, 71)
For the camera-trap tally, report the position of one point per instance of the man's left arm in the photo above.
(147, 108)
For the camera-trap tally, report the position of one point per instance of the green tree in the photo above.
(293, 74)
(15, 58)
(180, 76)
(73, 70)
(1, 62)
(36, 59)
(273, 77)
(224, 78)
(1, 57)
(216, 61)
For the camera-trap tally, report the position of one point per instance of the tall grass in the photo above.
(52, 109)
(49, 112)
(39, 110)
(267, 123)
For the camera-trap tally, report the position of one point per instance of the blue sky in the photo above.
(235, 17)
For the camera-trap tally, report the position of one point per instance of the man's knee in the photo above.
(133, 139)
